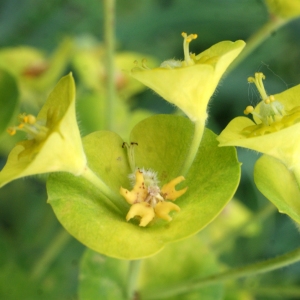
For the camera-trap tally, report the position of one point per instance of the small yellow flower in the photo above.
(190, 83)
(284, 8)
(54, 142)
(275, 129)
(147, 200)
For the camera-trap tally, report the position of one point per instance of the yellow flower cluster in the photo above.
(148, 201)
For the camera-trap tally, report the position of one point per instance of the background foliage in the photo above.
(152, 27)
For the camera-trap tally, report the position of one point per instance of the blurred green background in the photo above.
(28, 227)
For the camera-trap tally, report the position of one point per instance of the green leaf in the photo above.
(17, 59)
(9, 99)
(91, 112)
(55, 66)
(102, 277)
(106, 278)
(163, 143)
(179, 262)
(279, 185)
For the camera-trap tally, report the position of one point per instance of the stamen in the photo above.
(272, 98)
(30, 126)
(30, 119)
(11, 131)
(270, 109)
(186, 42)
(271, 112)
(258, 81)
(144, 60)
(250, 110)
(143, 65)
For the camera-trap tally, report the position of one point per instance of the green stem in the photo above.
(109, 39)
(257, 38)
(133, 273)
(260, 216)
(276, 291)
(260, 267)
(111, 197)
(198, 133)
(51, 252)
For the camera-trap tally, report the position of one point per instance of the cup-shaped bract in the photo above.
(274, 130)
(189, 84)
(161, 145)
(54, 142)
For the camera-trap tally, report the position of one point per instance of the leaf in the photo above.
(163, 143)
(106, 278)
(9, 99)
(102, 277)
(55, 66)
(91, 113)
(177, 263)
(279, 185)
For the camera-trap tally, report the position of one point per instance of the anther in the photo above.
(249, 109)
(272, 98)
(29, 119)
(11, 131)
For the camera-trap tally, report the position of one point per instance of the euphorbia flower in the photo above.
(162, 145)
(285, 9)
(54, 142)
(275, 128)
(190, 83)
(148, 200)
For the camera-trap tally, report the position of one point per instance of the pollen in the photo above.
(148, 200)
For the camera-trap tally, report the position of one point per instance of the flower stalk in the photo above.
(109, 38)
(253, 269)
(197, 137)
(132, 278)
(258, 38)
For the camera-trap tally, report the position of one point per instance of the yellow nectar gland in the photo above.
(31, 126)
(271, 112)
(147, 200)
